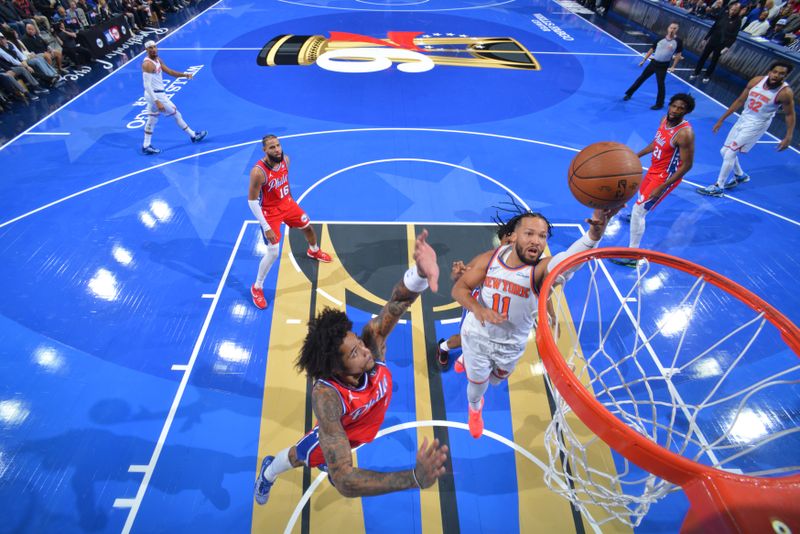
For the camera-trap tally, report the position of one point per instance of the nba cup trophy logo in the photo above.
(412, 51)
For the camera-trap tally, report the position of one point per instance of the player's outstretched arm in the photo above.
(786, 98)
(174, 73)
(424, 274)
(646, 150)
(354, 482)
(738, 103)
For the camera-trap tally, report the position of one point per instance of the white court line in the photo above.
(759, 208)
(308, 134)
(638, 44)
(101, 80)
(137, 469)
(534, 52)
(775, 142)
(293, 321)
(329, 297)
(694, 88)
(451, 321)
(583, 54)
(208, 295)
(396, 10)
(136, 502)
(210, 49)
(45, 133)
(401, 321)
(178, 367)
(436, 423)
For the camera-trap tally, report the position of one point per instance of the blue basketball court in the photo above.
(140, 386)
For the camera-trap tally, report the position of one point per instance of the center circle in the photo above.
(466, 92)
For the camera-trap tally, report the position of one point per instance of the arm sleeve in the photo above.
(255, 207)
(148, 78)
(582, 244)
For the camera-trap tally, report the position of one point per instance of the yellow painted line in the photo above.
(430, 506)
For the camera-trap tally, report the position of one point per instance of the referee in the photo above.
(663, 51)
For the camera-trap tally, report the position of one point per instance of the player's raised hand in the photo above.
(430, 462)
(457, 270)
(425, 258)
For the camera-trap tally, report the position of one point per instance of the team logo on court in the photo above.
(412, 51)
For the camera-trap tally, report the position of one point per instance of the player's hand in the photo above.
(657, 192)
(430, 462)
(671, 69)
(159, 105)
(784, 144)
(270, 235)
(487, 315)
(457, 270)
(425, 258)
(641, 63)
(716, 126)
(188, 75)
(600, 217)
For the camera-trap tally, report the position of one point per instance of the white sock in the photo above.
(313, 248)
(475, 394)
(443, 346)
(737, 169)
(638, 214)
(728, 162)
(279, 465)
(182, 124)
(147, 139)
(265, 264)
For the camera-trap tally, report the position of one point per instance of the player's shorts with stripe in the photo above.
(484, 358)
(169, 107)
(288, 212)
(744, 136)
(310, 453)
(651, 181)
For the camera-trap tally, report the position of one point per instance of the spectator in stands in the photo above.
(714, 10)
(759, 27)
(140, 13)
(77, 13)
(71, 22)
(117, 7)
(35, 43)
(90, 10)
(71, 47)
(19, 70)
(10, 16)
(28, 12)
(777, 34)
(718, 40)
(103, 11)
(46, 7)
(14, 49)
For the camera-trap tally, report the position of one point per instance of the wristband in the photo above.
(413, 281)
(414, 475)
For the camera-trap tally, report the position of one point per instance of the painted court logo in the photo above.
(412, 51)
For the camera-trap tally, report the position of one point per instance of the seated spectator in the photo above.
(10, 16)
(71, 47)
(103, 11)
(28, 12)
(11, 45)
(140, 13)
(759, 27)
(118, 8)
(35, 43)
(78, 13)
(71, 22)
(777, 35)
(90, 10)
(19, 70)
(46, 7)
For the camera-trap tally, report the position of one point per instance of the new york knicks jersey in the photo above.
(666, 155)
(364, 406)
(156, 79)
(762, 104)
(510, 292)
(275, 189)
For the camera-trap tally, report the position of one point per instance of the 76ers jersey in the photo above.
(762, 103)
(364, 407)
(510, 292)
(666, 156)
(275, 189)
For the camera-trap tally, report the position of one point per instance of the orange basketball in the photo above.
(605, 175)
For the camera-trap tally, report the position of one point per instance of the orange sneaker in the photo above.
(319, 255)
(476, 421)
(258, 297)
(458, 367)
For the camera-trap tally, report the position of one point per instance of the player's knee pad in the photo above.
(150, 125)
(727, 154)
(273, 251)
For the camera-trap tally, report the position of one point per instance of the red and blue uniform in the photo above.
(665, 161)
(363, 410)
(276, 200)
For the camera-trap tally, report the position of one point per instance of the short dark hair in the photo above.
(686, 98)
(508, 227)
(514, 221)
(320, 356)
(268, 136)
(782, 63)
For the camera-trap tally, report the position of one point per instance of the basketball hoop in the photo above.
(683, 397)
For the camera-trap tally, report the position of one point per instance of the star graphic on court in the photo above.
(437, 34)
(463, 35)
(429, 47)
(426, 35)
(473, 202)
(86, 130)
(450, 34)
(478, 46)
(202, 187)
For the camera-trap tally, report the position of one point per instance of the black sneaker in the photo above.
(626, 97)
(199, 136)
(442, 356)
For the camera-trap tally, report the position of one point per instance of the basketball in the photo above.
(605, 175)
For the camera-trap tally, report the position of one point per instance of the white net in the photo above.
(680, 361)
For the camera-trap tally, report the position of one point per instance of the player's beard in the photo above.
(523, 257)
(770, 85)
(274, 161)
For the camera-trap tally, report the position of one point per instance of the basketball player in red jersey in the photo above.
(673, 156)
(270, 200)
(351, 393)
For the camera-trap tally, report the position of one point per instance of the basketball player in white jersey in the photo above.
(761, 99)
(501, 317)
(157, 101)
